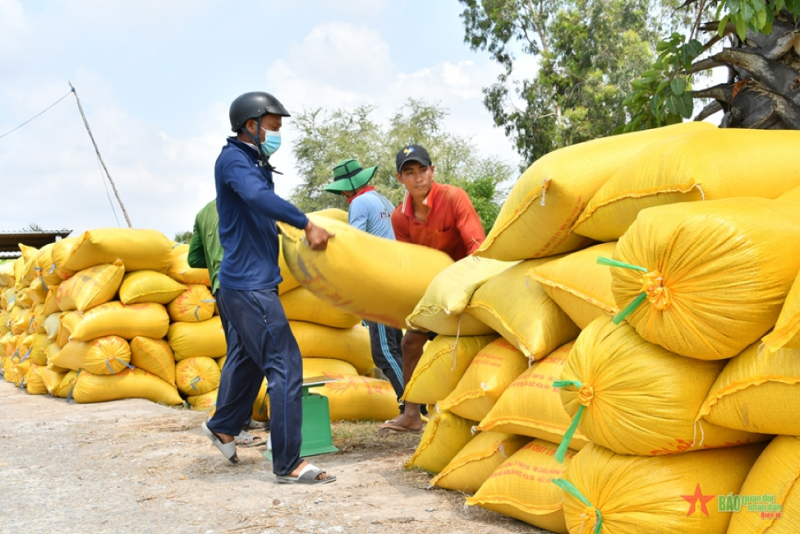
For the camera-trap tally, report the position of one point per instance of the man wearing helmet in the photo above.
(248, 298)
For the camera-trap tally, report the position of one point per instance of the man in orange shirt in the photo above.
(437, 216)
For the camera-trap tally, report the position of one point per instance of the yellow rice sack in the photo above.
(392, 276)
(675, 494)
(103, 356)
(67, 323)
(579, 285)
(301, 305)
(531, 406)
(536, 219)
(116, 319)
(442, 306)
(757, 393)
(348, 344)
(207, 402)
(637, 398)
(34, 383)
(289, 282)
(23, 299)
(51, 351)
(196, 376)
(787, 329)
(522, 488)
(476, 462)
(518, 309)
(325, 366)
(261, 404)
(443, 363)
(51, 301)
(792, 195)
(206, 338)
(221, 362)
(66, 385)
(128, 384)
(707, 279)
(51, 325)
(154, 356)
(90, 287)
(46, 269)
(444, 436)
(37, 344)
(149, 286)
(194, 305)
(23, 322)
(489, 374)
(51, 378)
(180, 271)
(772, 490)
(37, 292)
(139, 250)
(62, 250)
(359, 398)
(703, 165)
(7, 274)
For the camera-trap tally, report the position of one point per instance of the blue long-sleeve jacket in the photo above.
(248, 210)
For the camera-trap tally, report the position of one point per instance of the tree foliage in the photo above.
(587, 51)
(761, 56)
(328, 137)
(184, 237)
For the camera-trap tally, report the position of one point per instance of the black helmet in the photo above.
(253, 105)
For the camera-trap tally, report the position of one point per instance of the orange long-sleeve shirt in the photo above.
(452, 226)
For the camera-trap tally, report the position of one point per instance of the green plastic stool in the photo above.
(316, 429)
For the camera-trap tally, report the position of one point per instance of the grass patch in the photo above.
(350, 436)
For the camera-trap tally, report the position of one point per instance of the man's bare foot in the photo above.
(296, 472)
(406, 423)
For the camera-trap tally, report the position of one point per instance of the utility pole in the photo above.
(103, 163)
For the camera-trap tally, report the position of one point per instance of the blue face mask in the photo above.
(271, 144)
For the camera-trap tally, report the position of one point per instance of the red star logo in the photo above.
(693, 500)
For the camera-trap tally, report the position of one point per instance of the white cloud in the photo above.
(13, 25)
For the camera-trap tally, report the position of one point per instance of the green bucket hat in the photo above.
(348, 175)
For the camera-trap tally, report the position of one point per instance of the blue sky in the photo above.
(156, 79)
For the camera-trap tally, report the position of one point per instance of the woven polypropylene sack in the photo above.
(635, 397)
(443, 363)
(149, 286)
(154, 356)
(138, 249)
(786, 333)
(51, 301)
(714, 275)
(62, 250)
(35, 384)
(261, 404)
(371, 294)
(194, 305)
(322, 366)
(489, 374)
(288, 281)
(536, 218)
(349, 344)
(773, 489)
(531, 406)
(180, 271)
(359, 398)
(518, 308)
(90, 287)
(46, 269)
(37, 344)
(206, 338)
(51, 378)
(66, 385)
(580, 286)
(757, 393)
(476, 462)
(675, 494)
(66, 324)
(106, 355)
(441, 308)
(522, 488)
(116, 319)
(128, 384)
(196, 376)
(300, 304)
(444, 436)
(207, 402)
(705, 165)
(792, 195)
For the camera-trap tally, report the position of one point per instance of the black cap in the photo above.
(412, 153)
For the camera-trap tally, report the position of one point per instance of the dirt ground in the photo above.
(135, 466)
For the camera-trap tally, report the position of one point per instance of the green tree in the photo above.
(759, 43)
(328, 137)
(184, 237)
(588, 52)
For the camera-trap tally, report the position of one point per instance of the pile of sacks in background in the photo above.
(623, 349)
(118, 313)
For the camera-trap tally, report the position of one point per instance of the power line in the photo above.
(45, 109)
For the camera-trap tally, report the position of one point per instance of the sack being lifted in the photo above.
(707, 279)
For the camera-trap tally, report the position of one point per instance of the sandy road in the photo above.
(135, 466)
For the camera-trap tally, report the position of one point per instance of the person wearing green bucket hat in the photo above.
(371, 212)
